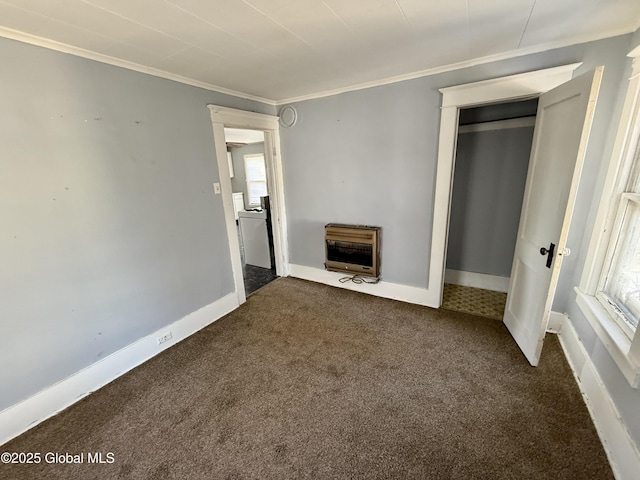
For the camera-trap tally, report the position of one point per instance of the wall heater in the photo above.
(352, 249)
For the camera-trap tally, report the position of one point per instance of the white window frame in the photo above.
(611, 257)
(622, 343)
(250, 156)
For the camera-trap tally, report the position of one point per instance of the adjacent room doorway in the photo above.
(222, 117)
(252, 207)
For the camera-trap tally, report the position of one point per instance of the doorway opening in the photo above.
(454, 99)
(251, 206)
(268, 126)
(564, 118)
(492, 157)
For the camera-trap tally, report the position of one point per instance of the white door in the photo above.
(560, 138)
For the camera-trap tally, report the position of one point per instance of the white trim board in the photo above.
(477, 280)
(622, 452)
(513, 87)
(22, 416)
(394, 291)
(556, 320)
(235, 118)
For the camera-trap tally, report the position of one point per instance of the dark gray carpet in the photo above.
(309, 381)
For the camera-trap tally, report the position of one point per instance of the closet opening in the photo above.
(492, 157)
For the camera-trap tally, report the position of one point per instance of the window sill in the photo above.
(617, 343)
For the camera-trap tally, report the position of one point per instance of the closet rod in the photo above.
(518, 122)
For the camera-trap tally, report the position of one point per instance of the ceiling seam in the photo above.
(88, 2)
(270, 18)
(340, 68)
(413, 34)
(526, 25)
(469, 31)
(218, 27)
(340, 19)
(319, 54)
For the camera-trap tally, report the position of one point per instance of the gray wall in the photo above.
(370, 157)
(239, 181)
(110, 228)
(488, 186)
(366, 157)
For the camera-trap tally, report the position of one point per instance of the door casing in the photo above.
(222, 117)
(497, 90)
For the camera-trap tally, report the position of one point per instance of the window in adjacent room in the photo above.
(256, 173)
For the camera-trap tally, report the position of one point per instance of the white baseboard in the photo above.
(395, 291)
(477, 280)
(52, 400)
(621, 450)
(556, 320)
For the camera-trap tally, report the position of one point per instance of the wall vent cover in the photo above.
(352, 249)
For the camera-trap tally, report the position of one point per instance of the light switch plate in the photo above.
(216, 188)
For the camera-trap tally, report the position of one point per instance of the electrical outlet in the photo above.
(164, 338)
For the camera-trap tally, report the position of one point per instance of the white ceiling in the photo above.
(282, 50)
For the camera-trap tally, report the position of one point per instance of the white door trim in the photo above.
(477, 280)
(230, 117)
(495, 90)
(621, 449)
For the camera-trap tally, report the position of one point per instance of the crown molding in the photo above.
(80, 52)
(458, 66)
(99, 57)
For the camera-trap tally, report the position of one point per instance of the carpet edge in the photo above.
(47, 403)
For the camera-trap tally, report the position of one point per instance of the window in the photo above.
(619, 290)
(609, 292)
(256, 173)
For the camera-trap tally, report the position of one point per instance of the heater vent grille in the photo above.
(353, 249)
